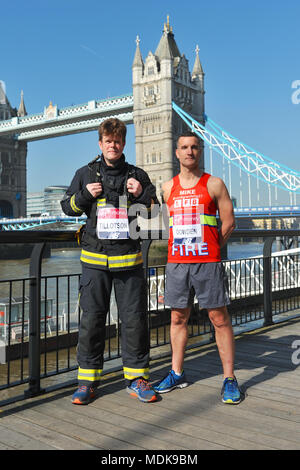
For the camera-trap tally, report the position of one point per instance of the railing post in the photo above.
(267, 281)
(145, 246)
(35, 322)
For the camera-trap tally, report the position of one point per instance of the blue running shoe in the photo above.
(170, 382)
(230, 391)
(83, 395)
(141, 389)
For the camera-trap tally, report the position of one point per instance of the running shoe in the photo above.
(83, 395)
(141, 389)
(230, 391)
(170, 382)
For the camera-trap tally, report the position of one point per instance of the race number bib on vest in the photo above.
(112, 223)
(187, 229)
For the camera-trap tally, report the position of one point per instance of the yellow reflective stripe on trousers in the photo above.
(132, 374)
(73, 205)
(204, 220)
(89, 374)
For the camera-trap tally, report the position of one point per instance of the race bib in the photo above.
(112, 223)
(187, 229)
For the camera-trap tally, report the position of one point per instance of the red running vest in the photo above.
(194, 236)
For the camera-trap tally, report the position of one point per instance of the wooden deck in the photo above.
(190, 419)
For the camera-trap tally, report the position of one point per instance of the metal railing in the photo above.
(39, 314)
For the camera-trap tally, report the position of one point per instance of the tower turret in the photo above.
(22, 109)
(197, 69)
(162, 78)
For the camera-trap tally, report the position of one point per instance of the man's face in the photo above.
(188, 152)
(112, 148)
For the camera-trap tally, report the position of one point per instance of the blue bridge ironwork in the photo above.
(34, 222)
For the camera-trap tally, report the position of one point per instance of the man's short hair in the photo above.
(112, 126)
(189, 134)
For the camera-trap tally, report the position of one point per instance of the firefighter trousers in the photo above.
(131, 297)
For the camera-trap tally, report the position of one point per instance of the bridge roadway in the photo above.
(190, 419)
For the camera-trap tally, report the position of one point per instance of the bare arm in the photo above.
(166, 189)
(219, 193)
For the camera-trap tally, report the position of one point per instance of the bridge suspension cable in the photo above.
(241, 155)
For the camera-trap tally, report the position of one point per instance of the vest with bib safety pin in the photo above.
(194, 236)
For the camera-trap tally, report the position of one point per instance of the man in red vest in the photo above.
(194, 261)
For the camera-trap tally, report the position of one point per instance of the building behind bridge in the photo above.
(46, 202)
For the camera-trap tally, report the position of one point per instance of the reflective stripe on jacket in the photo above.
(106, 254)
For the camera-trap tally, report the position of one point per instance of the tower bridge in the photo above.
(167, 98)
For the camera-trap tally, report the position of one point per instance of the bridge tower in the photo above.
(12, 163)
(162, 78)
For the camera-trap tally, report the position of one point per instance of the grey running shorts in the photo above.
(209, 281)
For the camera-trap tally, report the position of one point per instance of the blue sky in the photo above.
(70, 52)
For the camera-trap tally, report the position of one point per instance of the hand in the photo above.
(95, 189)
(134, 187)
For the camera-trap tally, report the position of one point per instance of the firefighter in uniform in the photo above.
(104, 190)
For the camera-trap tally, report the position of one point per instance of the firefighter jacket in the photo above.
(107, 253)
